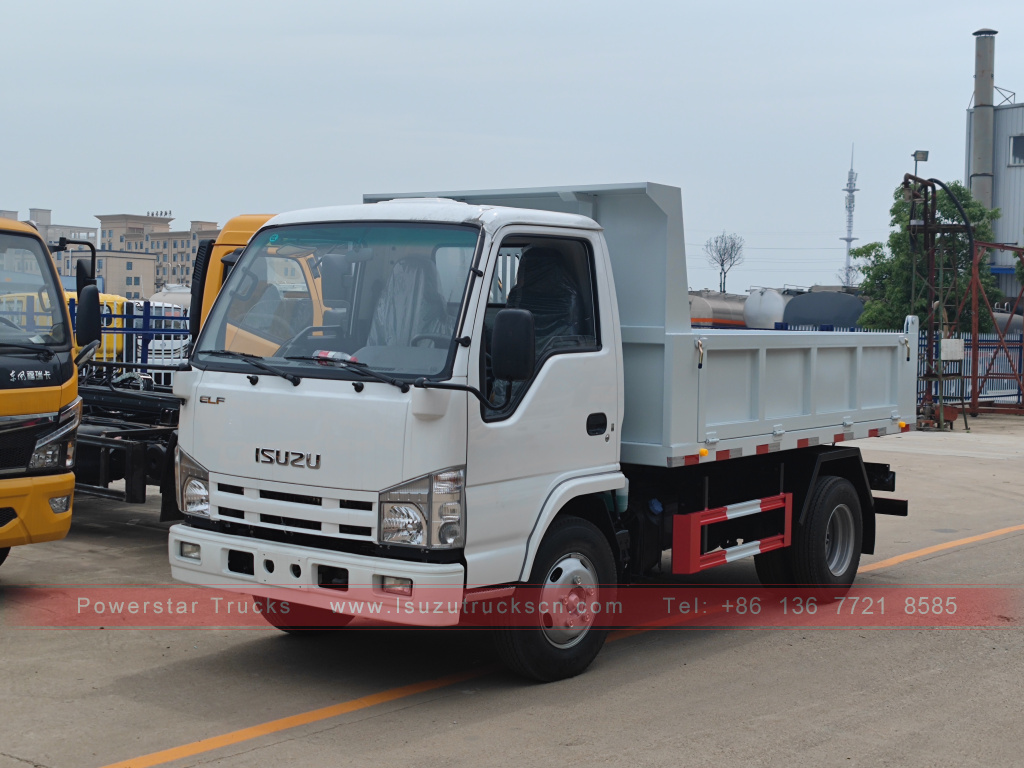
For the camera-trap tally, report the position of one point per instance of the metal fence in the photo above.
(141, 333)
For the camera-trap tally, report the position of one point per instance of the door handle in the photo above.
(597, 424)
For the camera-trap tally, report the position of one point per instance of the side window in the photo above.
(553, 279)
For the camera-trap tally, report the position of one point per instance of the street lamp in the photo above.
(920, 156)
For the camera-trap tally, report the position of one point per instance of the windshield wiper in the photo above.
(353, 365)
(45, 352)
(256, 361)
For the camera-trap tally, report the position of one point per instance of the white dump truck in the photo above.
(484, 392)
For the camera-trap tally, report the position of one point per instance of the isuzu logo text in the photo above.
(287, 458)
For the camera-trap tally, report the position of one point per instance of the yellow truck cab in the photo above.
(40, 409)
(214, 261)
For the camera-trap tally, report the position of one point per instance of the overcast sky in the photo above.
(211, 109)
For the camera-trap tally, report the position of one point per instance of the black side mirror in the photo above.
(334, 268)
(335, 274)
(199, 265)
(87, 317)
(84, 277)
(512, 345)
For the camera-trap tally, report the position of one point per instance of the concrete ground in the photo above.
(698, 697)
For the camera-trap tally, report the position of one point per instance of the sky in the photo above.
(212, 109)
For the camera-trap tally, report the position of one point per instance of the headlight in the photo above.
(426, 512)
(193, 485)
(58, 447)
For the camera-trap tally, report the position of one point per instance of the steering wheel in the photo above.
(306, 335)
(438, 340)
(11, 323)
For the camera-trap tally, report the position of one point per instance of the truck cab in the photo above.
(39, 405)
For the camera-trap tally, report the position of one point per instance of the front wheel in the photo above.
(826, 548)
(4, 552)
(571, 584)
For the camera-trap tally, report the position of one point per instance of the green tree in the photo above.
(888, 269)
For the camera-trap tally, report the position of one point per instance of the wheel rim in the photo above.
(839, 540)
(569, 590)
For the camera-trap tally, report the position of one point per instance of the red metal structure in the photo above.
(1016, 371)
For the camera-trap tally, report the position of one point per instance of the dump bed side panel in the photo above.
(737, 393)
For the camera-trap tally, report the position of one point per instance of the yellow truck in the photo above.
(129, 435)
(40, 409)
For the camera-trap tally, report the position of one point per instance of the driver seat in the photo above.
(410, 305)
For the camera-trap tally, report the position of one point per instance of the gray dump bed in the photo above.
(693, 397)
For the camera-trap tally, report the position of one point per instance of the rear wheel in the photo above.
(574, 572)
(4, 552)
(298, 619)
(826, 548)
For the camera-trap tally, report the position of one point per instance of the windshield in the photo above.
(31, 306)
(383, 295)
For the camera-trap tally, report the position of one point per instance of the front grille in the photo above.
(292, 522)
(16, 448)
(293, 513)
(294, 498)
(7, 515)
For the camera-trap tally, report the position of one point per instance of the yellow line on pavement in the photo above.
(284, 723)
(394, 694)
(937, 548)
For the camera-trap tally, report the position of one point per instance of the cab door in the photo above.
(559, 425)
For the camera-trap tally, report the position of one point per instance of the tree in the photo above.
(724, 252)
(888, 269)
(847, 276)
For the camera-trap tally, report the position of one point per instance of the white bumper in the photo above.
(295, 578)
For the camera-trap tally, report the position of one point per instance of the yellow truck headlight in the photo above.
(57, 449)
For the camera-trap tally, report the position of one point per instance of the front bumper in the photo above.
(295, 577)
(29, 498)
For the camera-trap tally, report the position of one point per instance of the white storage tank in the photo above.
(173, 294)
(764, 308)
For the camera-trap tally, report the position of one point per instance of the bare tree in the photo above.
(724, 252)
(847, 276)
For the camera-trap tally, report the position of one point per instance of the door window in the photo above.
(552, 278)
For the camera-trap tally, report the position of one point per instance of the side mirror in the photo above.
(199, 265)
(512, 345)
(87, 318)
(334, 268)
(335, 271)
(84, 276)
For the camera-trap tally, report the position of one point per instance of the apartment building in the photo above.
(134, 237)
(137, 254)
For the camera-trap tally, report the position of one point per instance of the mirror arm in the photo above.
(422, 383)
(86, 353)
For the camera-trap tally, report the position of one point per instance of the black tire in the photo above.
(774, 568)
(300, 619)
(4, 552)
(530, 648)
(826, 548)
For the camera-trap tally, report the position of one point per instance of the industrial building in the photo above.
(995, 157)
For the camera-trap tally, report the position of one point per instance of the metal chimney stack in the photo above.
(983, 124)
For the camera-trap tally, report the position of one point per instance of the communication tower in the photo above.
(849, 189)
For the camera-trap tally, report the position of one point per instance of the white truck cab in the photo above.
(476, 391)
